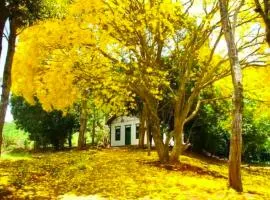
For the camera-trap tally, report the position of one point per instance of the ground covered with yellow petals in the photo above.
(120, 173)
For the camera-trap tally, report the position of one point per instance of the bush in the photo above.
(43, 127)
(210, 132)
(255, 136)
(207, 132)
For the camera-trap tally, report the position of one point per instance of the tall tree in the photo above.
(228, 27)
(83, 125)
(20, 14)
(164, 31)
(72, 61)
(7, 75)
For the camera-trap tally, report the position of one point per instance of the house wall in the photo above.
(123, 122)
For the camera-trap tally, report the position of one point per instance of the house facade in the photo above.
(124, 130)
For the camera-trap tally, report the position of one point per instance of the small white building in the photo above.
(124, 130)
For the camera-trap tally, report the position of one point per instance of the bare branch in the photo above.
(190, 2)
(194, 113)
(235, 15)
(215, 46)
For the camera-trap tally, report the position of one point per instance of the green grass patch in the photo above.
(16, 156)
(14, 138)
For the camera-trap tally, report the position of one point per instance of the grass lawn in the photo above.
(14, 138)
(123, 174)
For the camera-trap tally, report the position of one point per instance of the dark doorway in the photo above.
(127, 135)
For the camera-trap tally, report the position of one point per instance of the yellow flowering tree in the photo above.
(113, 50)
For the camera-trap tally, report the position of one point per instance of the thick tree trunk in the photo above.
(83, 125)
(163, 154)
(178, 137)
(142, 127)
(236, 137)
(6, 85)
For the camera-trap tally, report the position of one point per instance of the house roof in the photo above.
(110, 120)
(123, 119)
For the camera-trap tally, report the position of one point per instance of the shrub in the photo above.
(43, 127)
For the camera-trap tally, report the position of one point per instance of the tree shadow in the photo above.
(5, 193)
(184, 167)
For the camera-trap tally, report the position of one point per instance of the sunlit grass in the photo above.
(16, 156)
(125, 174)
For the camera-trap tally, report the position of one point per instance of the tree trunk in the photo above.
(70, 139)
(265, 14)
(94, 127)
(236, 137)
(6, 85)
(93, 132)
(178, 137)
(142, 127)
(3, 19)
(83, 125)
(163, 154)
(36, 145)
(148, 138)
(267, 20)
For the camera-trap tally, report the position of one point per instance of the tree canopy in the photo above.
(161, 57)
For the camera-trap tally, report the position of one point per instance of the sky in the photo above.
(9, 117)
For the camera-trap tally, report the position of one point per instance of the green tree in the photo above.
(44, 127)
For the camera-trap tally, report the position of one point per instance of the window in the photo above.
(117, 133)
(137, 131)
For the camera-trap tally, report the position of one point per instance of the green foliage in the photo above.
(27, 12)
(207, 130)
(255, 135)
(210, 131)
(97, 125)
(44, 127)
(14, 138)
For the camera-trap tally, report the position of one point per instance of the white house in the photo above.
(124, 130)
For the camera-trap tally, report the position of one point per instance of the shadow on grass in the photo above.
(83, 197)
(5, 193)
(184, 167)
(207, 159)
